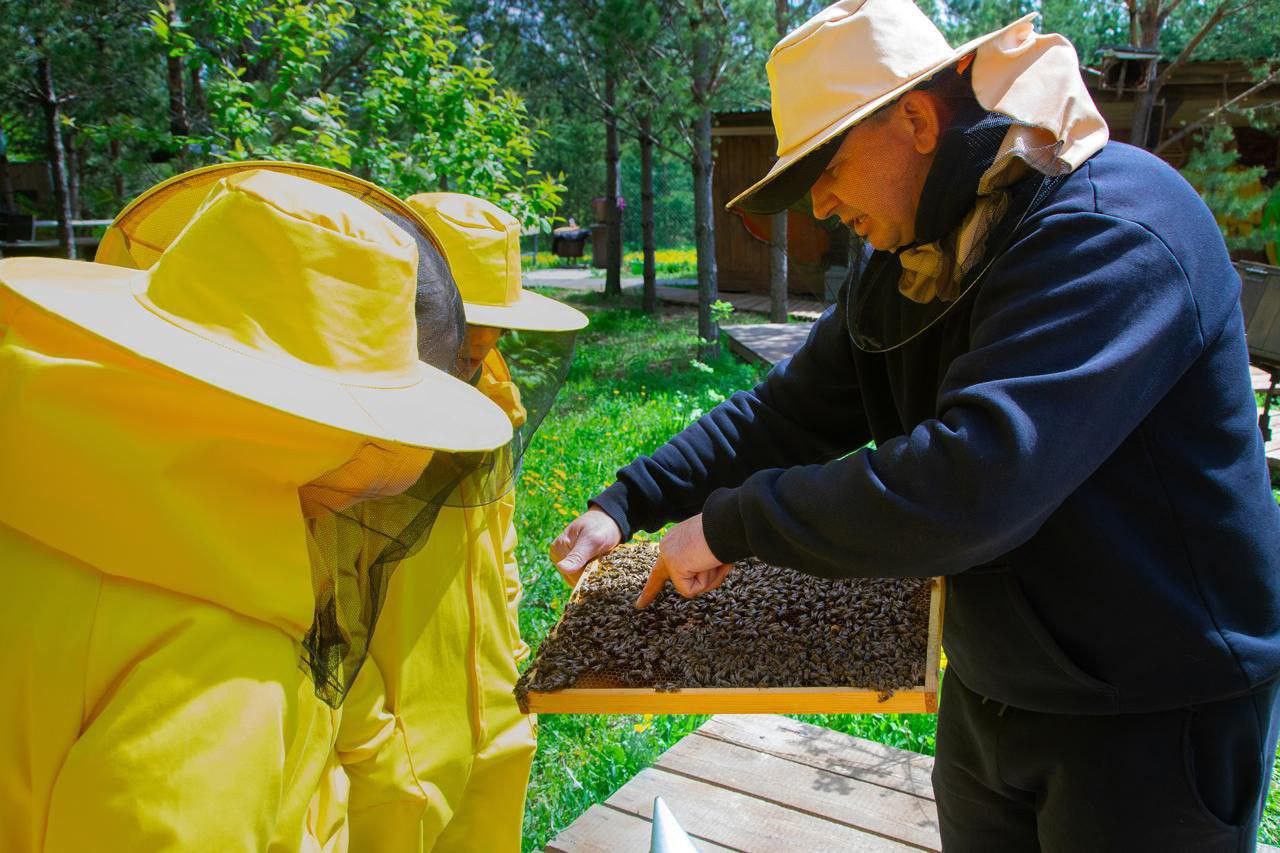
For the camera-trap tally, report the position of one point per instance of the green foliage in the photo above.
(1233, 192)
(376, 88)
(383, 90)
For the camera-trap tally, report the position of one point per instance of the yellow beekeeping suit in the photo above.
(436, 750)
(156, 586)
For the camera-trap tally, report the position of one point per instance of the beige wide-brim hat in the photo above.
(836, 69)
(482, 245)
(285, 292)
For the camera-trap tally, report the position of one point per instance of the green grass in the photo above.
(633, 385)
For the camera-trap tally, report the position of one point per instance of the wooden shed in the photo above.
(745, 148)
(816, 256)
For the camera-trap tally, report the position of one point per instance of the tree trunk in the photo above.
(6, 179)
(73, 175)
(52, 108)
(704, 223)
(1149, 25)
(613, 216)
(778, 269)
(195, 103)
(117, 172)
(6, 185)
(650, 303)
(778, 232)
(179, 126)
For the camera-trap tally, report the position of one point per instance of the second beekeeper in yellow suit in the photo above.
(209, 469)
(435, 747)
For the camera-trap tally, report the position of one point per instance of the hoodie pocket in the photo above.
(1003, 650)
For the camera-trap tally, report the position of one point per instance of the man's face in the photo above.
(874, 181)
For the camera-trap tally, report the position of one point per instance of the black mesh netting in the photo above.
(537, 364)
(359, 534)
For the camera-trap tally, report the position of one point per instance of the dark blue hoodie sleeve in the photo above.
(807, 410)
(1080, 328)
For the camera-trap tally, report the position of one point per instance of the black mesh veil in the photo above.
(539, 364)
(524, 381)
(356, 542)
(366, 517)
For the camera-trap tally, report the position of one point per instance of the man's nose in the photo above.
(824, 200)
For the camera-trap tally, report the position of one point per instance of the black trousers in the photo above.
(1191, 779)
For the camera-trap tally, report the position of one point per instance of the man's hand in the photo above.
(588, 536)
(686, 561)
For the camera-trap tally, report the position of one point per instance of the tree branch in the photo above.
(1164, 13)
(1209, 116)
(1205, 29)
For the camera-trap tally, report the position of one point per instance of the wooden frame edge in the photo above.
(731, 700)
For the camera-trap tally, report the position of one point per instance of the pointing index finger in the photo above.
(653, 586)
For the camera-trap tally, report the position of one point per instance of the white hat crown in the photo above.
(887, 42)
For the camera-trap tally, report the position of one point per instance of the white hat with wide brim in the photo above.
(839, 67)
(394, 398)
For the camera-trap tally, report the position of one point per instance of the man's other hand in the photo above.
(588, 536)
(686, 561)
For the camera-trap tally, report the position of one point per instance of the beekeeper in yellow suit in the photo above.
(172, 440)
(438, 759)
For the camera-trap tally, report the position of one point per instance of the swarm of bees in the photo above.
(765, 626)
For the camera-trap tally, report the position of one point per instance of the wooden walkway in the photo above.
(770, 783)
(803, 309)
(748, 783)
(766, 343)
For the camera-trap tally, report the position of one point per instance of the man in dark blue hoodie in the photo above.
(1047, 350)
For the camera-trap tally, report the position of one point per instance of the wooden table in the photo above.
(766, 782)
(769, 783)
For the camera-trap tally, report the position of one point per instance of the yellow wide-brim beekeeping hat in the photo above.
(146, 226)
(481, 242)
(285, 292)
(837, 68)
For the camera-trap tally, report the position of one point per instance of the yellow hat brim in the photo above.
(838, 127)
(531, 312)
(101, 299)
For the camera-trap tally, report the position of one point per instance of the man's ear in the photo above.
(923, 121)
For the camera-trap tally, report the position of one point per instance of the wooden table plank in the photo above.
(602, 829)
(827, 750)
(737, 820)
(829, 796)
